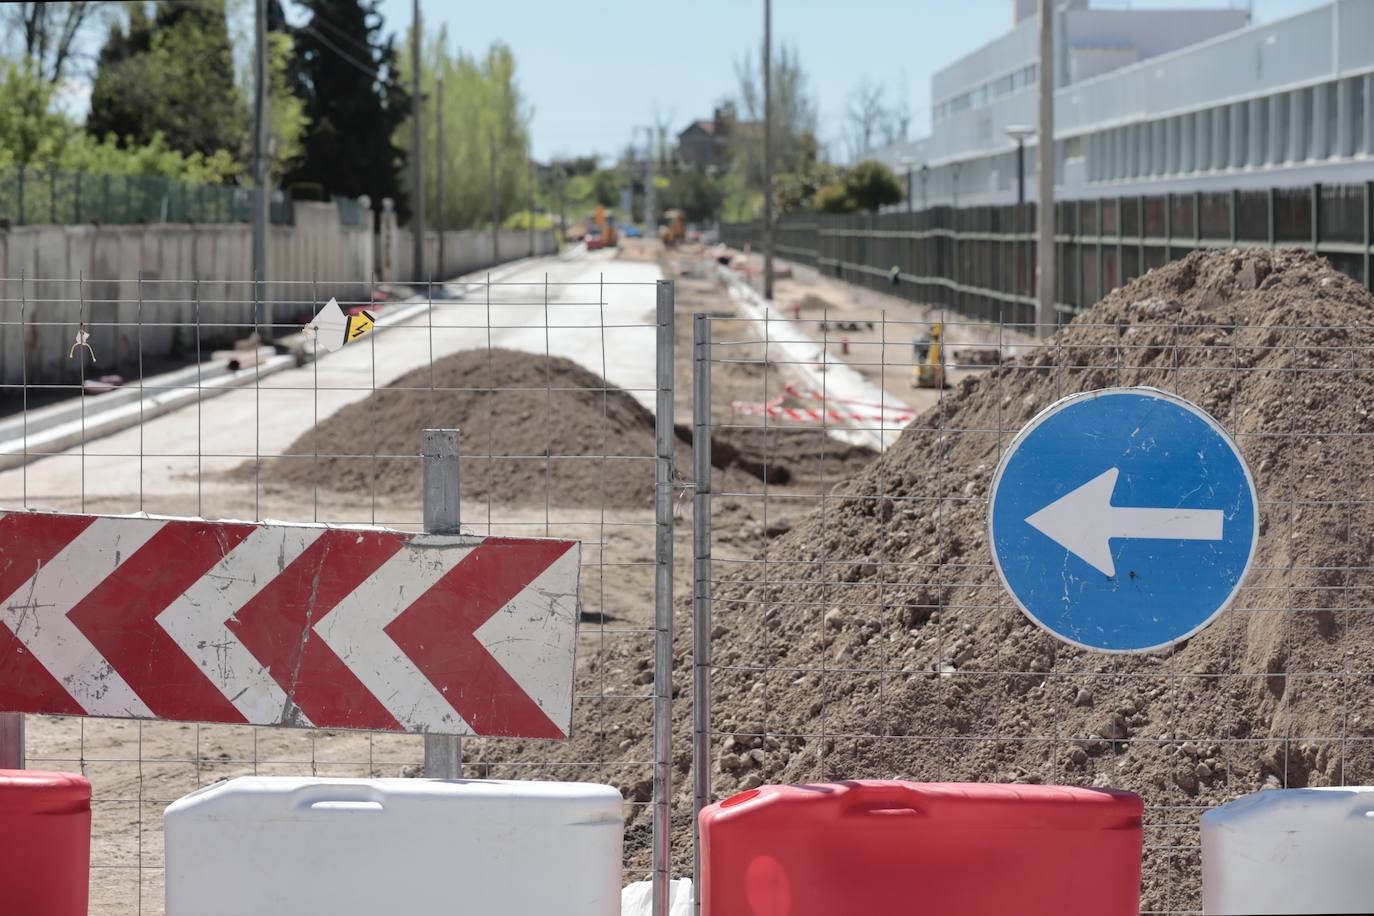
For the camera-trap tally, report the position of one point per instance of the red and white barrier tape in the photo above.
(816, 414)
(810, 394)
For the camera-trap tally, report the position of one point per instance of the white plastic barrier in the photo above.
(283, 846)
(637, 899)
(1290, 851)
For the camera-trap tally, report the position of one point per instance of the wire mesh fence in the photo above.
(555, 387)
(55, 197)
(852, 625)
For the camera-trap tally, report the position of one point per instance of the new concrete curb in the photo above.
(53, 429)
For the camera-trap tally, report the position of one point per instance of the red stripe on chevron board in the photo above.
(277, 624)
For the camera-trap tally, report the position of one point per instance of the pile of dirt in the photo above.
(893, 651)
(876, 639)
(531, 425)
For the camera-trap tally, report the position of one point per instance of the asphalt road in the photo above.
(594, 309)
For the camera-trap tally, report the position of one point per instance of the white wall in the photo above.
(162, 289)
(465, 251)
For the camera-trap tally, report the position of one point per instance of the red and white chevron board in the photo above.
(274, 624)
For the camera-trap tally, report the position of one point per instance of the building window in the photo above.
(1240, 134)
(1357, 114)
(1282, 128)
(1261, 132)
(1221, 137)
(1330, 141)
(1203, 129)
(1302, 144)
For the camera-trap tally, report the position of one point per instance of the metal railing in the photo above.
(980, 261)
(30, 197)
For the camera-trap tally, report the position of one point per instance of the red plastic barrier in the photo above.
(945, 849)
(45, 843)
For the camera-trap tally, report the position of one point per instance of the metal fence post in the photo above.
(1316, 216)
(663, 600)
(443, 509)
(1365, 233)
(11, 741)
(701, 586)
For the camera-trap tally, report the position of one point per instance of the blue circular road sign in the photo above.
(1123, 520)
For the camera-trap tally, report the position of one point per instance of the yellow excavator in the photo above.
(676, 230)
(929, 371)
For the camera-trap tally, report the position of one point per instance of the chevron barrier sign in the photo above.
(277, 624)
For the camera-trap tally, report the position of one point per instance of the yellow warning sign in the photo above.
(358, 325)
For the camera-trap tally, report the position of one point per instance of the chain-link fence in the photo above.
(562, 389)
(58, 198)
(848, 619)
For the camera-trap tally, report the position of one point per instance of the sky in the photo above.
(594, 70)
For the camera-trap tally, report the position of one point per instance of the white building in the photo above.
(1151, 101)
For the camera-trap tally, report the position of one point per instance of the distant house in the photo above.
(703, 144)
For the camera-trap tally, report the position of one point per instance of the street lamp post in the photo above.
(1019, 133)
(925, 183)
(956, 169)
(908, 162)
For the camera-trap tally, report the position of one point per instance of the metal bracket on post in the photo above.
(11, 741)
(443, 509)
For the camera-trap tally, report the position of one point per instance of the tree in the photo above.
(287, 110)
(35, 135)
(486, 134)
(871, 185)
(864, 187)
(48, 35)
(346, 76)
(866, 114)
(171, 75)
(696, 194)
(795, 148)
(797, 191)
(31, 133)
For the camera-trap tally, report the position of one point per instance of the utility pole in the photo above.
(417, 170)
(768, 149)
(533, 181)
(440, 166)
(1045, 158)
(650, 204)
(261, 191)
(495, 221)
(562, 216)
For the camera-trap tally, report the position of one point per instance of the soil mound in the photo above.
(531, 426)
(892, 650)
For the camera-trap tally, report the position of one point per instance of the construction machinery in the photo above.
(676, 230)
(602, 231)
(929, 371)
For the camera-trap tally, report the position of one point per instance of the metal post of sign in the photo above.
(11, 741)
(701, 586)
(443, 509)
(663, 600)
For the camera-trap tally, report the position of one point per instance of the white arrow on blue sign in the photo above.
(1123, 520)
